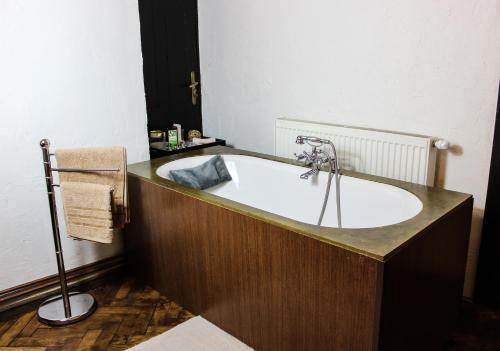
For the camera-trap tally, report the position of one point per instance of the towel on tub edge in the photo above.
(88, 211)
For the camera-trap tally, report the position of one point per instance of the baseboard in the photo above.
(44, 287)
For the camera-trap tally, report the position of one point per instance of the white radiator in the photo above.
(406, 157)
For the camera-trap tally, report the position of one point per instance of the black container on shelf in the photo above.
(160, 149)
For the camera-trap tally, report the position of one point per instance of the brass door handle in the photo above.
(194, 88)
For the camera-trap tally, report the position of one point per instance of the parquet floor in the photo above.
(127, 314)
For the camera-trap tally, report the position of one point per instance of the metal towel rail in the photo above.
(68, 307)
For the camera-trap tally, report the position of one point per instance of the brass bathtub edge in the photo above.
(323, 234)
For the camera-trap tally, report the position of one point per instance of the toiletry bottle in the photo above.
(179, 133)
(173, 137)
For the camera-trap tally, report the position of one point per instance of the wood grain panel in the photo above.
(271, 288)
(423, 285)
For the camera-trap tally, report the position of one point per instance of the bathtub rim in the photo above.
(379, 243)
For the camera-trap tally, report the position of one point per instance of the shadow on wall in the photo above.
(442, 158)
(476, 225)
(473, 255)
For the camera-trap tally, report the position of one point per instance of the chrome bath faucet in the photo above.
(316, 159)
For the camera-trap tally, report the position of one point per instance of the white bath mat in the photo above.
(196, 334)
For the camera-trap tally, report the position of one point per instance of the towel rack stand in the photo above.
(68, 307)
(85, 170)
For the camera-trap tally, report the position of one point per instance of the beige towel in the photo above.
(99, 157)
(88, 211)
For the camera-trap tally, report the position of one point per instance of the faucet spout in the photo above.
(309, 173)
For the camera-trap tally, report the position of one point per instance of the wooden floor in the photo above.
(130, 313)
(478, 329)
(127, 314)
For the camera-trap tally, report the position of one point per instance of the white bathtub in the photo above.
(276, 187)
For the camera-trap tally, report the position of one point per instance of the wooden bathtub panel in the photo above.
(271, 288)
(423, 285)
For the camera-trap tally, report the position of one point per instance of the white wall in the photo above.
(428, 67)
(70, 71)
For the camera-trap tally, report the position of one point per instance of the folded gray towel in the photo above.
(204, 176)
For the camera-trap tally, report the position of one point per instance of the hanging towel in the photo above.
(99, 157)
(88, 211)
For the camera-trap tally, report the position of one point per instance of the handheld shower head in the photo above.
(310, 140)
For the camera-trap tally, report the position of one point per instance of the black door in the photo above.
(169, 36)
(488, 273)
